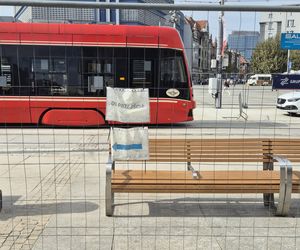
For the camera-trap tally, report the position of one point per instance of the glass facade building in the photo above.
(244, 42)
(76, 15)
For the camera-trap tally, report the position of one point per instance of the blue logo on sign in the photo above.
(127, 146)
(286, 81)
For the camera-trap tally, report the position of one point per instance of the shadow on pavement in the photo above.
(224, 124)
(216, 207)
(10, 210)
(229, 123)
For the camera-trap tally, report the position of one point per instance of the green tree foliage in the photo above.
(268, 57)
(295, 58)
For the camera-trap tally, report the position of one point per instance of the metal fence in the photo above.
(53, 179)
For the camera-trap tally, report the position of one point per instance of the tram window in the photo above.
(57, 51)
(107, 66)
(120, 52)
(24, 74)
(74, 77)
(41, 51)
(121, 80)
(106, 52)
(172, 71)
(40, 65)
(10, 51)
(58, 65)
(42, 84)
(73, 51)
(9, 70)
(142, 73)
(26, 51)
(58, 84)
(89, 51)
(91, 66)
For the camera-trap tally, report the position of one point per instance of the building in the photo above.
(198, 48)
(188, 43)
(274, 23)
(236, 64)
(243, 42)
(75, 15)
(57, 15)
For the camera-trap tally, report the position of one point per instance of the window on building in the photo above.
(291, 23)
(270, 15)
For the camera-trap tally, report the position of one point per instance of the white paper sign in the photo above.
(129, 144)
(127, 105)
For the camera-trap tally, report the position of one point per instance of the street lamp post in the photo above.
(218, 100)
(288, 62)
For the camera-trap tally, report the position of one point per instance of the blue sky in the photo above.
(233, 20)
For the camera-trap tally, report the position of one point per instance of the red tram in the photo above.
(56, 74)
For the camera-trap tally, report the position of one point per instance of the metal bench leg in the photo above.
(285, 192)
(288, 188)
(279, 209)
(109, 196)
(268, 197)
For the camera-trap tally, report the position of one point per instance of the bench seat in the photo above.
(135, 181)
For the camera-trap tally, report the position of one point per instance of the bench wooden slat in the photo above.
(199, 189)
(200, 156)
(208, 144)
(207, 140)
(208, 148)
(195, 160)
(209, 182)
(209, 175)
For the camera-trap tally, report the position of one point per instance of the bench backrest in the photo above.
(289, 148)
(222, 150)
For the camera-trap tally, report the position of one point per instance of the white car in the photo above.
(289, 102)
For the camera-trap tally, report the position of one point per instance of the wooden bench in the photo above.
(252, 180)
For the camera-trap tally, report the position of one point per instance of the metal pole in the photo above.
(107, 11)
(151, 6)
(97, 14)
(218, 100)
(288, 61)
(117, 14)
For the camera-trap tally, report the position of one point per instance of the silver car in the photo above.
(289, 102)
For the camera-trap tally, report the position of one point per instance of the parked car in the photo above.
(289, 102)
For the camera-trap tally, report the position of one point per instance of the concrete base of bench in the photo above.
(283, 182)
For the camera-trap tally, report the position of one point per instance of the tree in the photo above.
(268, 57)
(295, 59)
